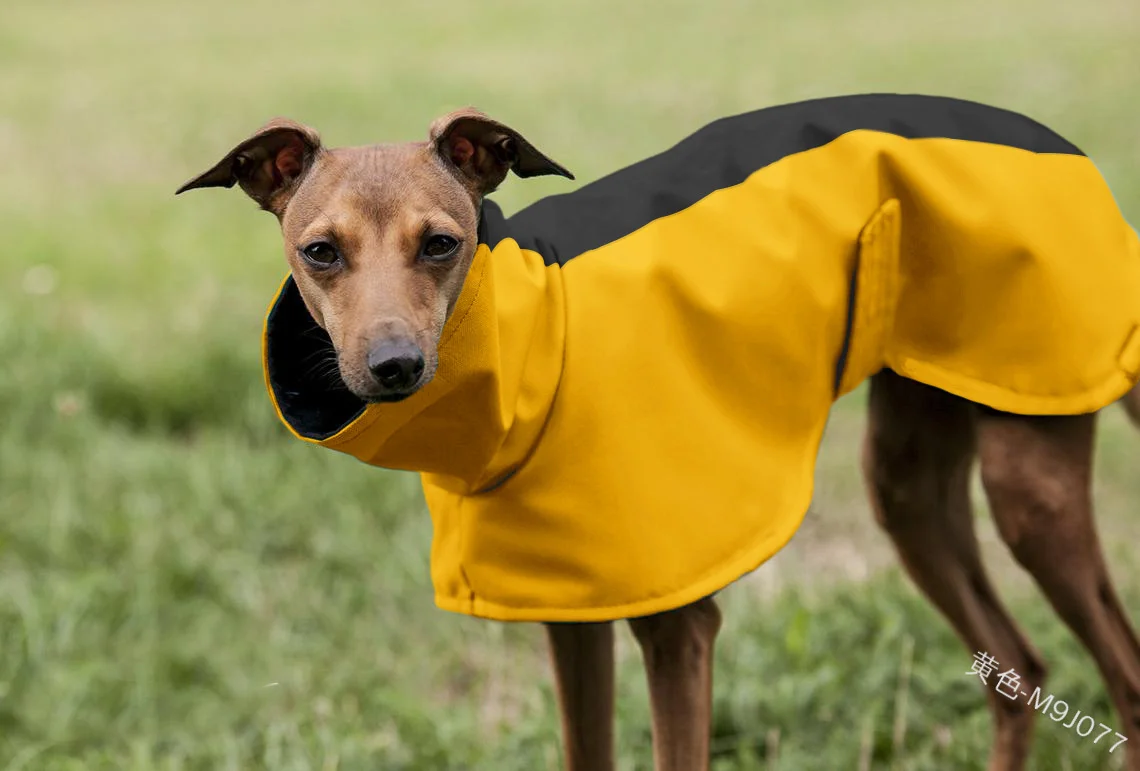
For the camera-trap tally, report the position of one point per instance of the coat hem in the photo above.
(746, 561)
(1108, 390)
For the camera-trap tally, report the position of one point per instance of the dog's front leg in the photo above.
(678, 647)
(583, 657)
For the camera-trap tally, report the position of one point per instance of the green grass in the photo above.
(182, 586)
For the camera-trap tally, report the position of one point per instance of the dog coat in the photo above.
(636, 376)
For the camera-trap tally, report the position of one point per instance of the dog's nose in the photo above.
(397, 366)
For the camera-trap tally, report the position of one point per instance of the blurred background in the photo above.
(183, 586)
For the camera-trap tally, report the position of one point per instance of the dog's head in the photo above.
(379, 238)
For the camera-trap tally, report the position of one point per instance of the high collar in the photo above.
(500, 360)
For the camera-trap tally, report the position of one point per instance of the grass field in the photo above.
(182, 586)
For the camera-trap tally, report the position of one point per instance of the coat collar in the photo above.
(500, 360)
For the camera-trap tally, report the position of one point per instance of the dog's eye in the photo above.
(439, 247)
(321, 254)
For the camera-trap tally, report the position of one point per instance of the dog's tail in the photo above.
(1131, 403)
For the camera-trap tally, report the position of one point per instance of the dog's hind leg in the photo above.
(918, 455)
(1038, 473)
(1131, 403)
(677, 647)
(583, 658)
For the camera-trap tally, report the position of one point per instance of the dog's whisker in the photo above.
(323, 367)
(324, 355)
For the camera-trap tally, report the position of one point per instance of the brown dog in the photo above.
(406, 217)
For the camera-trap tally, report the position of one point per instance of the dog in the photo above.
(615, 397)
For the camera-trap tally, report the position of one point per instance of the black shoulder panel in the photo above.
(727, 152)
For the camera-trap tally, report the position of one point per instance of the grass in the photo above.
(184, 587)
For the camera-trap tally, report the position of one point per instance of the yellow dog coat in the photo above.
(636, 376)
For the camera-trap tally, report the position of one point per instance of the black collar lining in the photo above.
(312, 398)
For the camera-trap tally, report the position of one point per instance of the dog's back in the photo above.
(725, 153)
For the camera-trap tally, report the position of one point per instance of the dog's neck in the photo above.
(500, 359)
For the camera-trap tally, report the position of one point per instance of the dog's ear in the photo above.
(267, 165)
(484, 150)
